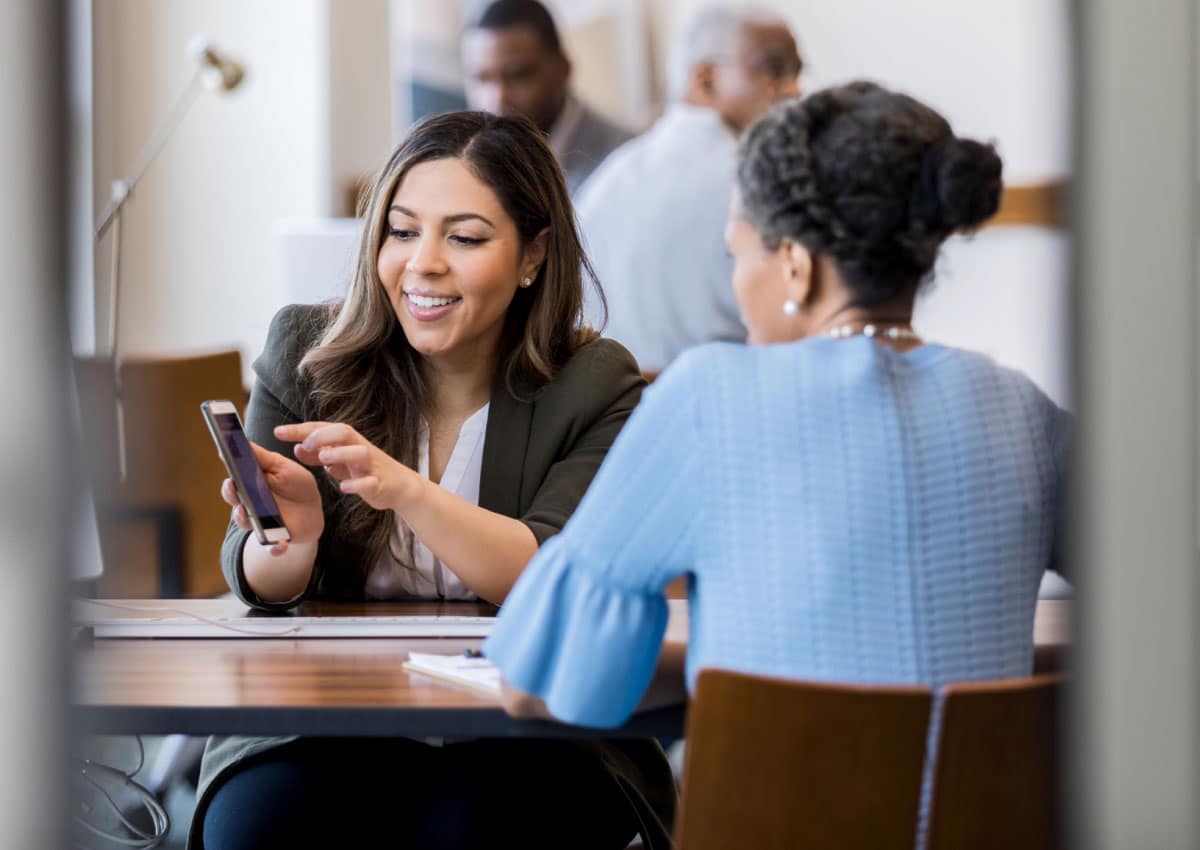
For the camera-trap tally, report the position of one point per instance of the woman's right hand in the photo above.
(295, 491)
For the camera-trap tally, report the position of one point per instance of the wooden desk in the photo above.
(303, 686)
(333, 686)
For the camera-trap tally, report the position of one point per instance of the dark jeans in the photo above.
(397, 793)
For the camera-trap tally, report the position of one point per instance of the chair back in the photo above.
(776, 765)
(161, 529)
(995, 784)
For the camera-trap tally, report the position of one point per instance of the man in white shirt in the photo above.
(653, 215)
(515, 65)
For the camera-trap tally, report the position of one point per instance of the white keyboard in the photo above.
(177, 626)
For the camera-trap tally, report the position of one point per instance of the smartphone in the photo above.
(247, 476)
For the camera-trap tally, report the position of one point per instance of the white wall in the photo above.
(196, 233)
(1004, 292)
(609, 45)
(999, 71)
(360, 120)
(312, 113)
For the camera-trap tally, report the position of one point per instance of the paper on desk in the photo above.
(474, 673)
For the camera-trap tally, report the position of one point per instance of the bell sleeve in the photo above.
(583, 626)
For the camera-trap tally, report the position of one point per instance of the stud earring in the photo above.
(791, 307)
(526, 282)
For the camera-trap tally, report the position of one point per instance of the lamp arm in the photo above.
(122, 189)
(110, 218)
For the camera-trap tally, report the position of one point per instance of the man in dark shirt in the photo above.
(515, 65)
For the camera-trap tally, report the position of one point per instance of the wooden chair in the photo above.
(161, 529)
(995, 784)
(778, 765)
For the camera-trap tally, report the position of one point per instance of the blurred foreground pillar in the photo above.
(35, 505)
(1135, 710)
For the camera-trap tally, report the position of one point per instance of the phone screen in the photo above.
(233, 438)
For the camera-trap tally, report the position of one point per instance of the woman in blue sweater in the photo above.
(848, 502)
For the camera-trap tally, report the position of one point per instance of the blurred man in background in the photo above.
(515, 65)
(653, 216)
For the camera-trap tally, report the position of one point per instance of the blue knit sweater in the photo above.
(845, 512)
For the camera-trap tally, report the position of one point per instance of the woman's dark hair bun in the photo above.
(962, 179)
(872, 179)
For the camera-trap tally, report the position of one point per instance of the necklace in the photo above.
(870, 330)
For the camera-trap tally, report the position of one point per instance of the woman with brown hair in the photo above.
(455, 410)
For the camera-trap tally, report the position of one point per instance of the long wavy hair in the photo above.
(365, 373)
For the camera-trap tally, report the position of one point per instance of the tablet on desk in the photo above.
(211, 618)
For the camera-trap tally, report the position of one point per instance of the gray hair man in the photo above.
(653, 214)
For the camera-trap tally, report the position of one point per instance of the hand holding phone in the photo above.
(237, 454)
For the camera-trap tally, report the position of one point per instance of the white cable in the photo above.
(141, 758)
(160, 820)
(125, 822)
(217, 623)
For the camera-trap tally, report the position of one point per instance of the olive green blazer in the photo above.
(541, 449)
(539, 452)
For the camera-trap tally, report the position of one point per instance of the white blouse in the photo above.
(399, 574)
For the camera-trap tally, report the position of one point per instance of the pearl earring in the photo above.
(526, 282)
(791, 307)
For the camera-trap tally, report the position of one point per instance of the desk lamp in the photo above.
(214, 72)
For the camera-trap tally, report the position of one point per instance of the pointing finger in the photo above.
(330, 455)
(297, 431)
(336, 434)
(367, 486)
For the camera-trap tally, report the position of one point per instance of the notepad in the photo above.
(473, 673)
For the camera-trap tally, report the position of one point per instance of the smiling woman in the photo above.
(445, 420)
(450, 274)
(468, 284)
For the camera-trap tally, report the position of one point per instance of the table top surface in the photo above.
(326, 686)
